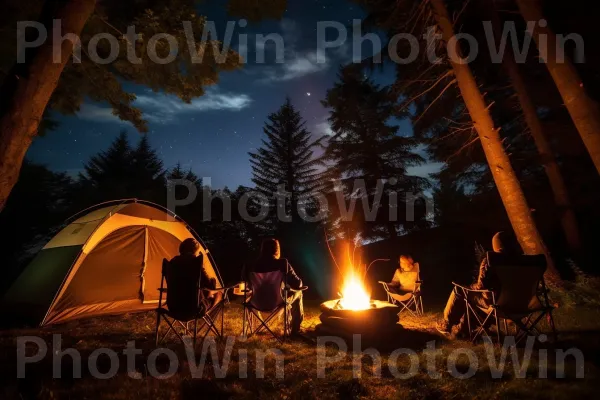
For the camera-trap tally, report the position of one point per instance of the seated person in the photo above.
(454, 313)
(270, 260)
(405, 264)
(182, 277)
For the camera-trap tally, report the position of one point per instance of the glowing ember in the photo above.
(354, 295)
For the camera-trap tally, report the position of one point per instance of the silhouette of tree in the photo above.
(366, 147)
(41, 83)
(123, 172)
(40, 202)
(286, 162)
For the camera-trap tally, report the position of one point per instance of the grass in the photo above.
(579, 328)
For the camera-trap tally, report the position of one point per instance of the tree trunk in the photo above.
(504, 176)
(557, 183)
(584, 111)
(25, 95)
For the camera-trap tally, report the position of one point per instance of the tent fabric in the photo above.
(110, 272)
(159, 243)
(107, 261)
(31, 294)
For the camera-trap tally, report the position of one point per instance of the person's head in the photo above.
(406, 263)
(189, 247)
(504, 242)
(270, 249)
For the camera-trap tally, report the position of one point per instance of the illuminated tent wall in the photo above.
(107, 261)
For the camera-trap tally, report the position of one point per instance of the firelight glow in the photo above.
(354, 295)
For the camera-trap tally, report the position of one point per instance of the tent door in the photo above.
(158, 245)
(143, 271)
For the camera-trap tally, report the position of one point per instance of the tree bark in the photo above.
(557, 183)
(504, 176)
(28, 89)
(584, 111)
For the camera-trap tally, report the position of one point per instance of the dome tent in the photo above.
(106, 260)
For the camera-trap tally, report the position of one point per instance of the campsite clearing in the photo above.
(579, 329)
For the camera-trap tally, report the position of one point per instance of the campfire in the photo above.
(354, 295)
(354, 311)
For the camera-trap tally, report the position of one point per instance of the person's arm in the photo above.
(205, 281)
(293, 280)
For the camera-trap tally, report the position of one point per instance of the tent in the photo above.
(106, 260)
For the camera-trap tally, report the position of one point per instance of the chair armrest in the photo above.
(472, 290)
(226, 288)
(223, 290)
(300, 289)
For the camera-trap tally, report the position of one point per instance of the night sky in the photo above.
(214, 134)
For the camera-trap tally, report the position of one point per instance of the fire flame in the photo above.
(354, 295)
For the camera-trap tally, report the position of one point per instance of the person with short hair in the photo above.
(454, 313)
(182, 276)
(270, 260)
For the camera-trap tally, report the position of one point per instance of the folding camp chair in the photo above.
(405, 290)
(522, 299)
(189, 305)
(267, 293)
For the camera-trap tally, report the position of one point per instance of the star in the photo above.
(308, 94)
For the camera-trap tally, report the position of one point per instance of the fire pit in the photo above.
(355, 312)
(379, 316)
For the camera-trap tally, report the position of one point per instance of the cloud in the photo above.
(296, 63)
(162, 108)
(324, 129)
(296, 66)
(96, 113)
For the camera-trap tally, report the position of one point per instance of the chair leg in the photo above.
(482, 329)
(222, 319)
(285, 321)
(497, 326)
(195, 331)
(417, 307)
(467, 312)
(553, 327)
(157, 326)
(244, 322)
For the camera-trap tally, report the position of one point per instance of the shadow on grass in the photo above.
(385, 341)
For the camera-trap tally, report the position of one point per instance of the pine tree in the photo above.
(105, 176)
(191, 213)
(124, 172)
(584, 110)
(40, 202)
(147, 175)
(286, 161)
(30, 88)
(367, 146)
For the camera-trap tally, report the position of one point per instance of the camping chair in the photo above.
(186, 303)
(522, 299)
(405, 290)
(267, 292)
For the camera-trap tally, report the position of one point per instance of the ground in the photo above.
(579, 329)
